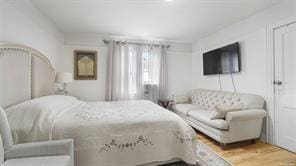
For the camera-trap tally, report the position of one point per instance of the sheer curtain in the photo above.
(157, 86)
(117, 70)
(126, 77)
(136, 86)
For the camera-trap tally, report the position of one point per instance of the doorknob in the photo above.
(277, 82)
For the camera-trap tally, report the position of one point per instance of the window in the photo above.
(136, 54)
(147, 66)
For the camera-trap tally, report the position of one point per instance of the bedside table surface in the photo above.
(165, 100)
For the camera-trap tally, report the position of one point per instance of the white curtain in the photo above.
(126, 80)
(115, 59)
(135, 77)
(157, 88)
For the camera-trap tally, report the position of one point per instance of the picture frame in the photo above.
(85, 65)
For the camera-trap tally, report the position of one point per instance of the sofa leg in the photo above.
(223, 145)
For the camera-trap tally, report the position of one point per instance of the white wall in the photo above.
(179, 67)
(252, 78)
(87, 90)
(179, 73)
(252, 35)
(22, 23)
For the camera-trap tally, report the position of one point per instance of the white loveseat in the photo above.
(239, 125)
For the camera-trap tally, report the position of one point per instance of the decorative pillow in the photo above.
(220, 111)
(181, 99)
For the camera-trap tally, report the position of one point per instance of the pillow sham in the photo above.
(181, 99)
(220, 111)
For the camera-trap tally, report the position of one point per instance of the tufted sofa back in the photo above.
(208, 99)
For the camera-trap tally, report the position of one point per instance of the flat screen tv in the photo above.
(225, 60)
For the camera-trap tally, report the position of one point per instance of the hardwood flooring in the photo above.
(259, 154)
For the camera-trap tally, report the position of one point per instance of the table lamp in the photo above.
(64, 79)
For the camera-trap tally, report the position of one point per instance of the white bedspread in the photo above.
(123, 133)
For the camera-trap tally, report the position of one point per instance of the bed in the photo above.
(121, 133)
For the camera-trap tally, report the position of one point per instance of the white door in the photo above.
(285, 86)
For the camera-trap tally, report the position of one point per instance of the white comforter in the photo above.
(123, 133)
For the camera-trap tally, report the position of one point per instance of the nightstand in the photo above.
(165, 103)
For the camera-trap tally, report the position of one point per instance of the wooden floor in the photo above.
(259, 154)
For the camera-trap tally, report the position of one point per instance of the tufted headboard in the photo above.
(25, 74)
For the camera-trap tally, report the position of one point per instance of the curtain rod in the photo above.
(167, 46)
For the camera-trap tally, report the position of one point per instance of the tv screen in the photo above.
(224, 60)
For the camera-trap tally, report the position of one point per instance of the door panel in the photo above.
(285, 93)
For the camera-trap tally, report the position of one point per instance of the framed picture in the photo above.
(85, 65)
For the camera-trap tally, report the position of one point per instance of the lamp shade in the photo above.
(62, 77)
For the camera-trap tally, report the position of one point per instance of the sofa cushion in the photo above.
(220, 112)
(204, 116)
(40, 161)
(210, 98)
(184, 108)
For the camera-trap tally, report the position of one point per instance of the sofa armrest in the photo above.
(47, 148)
(246, 115)
(179, 99)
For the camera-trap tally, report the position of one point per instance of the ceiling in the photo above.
(177, 20)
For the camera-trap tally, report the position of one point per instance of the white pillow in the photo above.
(220, 111)
(181, 99)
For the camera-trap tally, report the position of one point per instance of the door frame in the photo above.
(270, 100)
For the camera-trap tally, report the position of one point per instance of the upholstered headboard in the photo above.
(25, 74)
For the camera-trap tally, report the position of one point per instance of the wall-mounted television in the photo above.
(225, 60)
